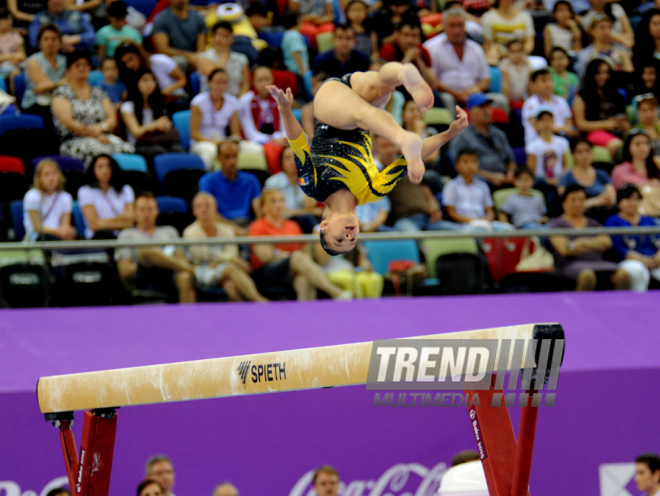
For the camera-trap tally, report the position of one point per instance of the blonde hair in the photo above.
(41, 166)
(204, 194)
(265, 195)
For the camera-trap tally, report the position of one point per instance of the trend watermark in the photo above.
(495, 372)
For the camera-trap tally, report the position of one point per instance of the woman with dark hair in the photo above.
(599, 109)
(638, 252)
(647, 38)
(147, 128)
(639, 162)
(648, 77)
(149, 487)
(132, 58)
(106, 201)
(84, 115)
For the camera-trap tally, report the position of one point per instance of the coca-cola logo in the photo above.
(403, 479)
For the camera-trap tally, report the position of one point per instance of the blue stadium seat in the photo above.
(521, 156)
(95, 78)
(131, 162)
(25, 121)
(195, 83)
(16, 208)
(19, 87)
(143, 6)
(181, 122)
(273, 38)
(297, 113)
(3, 85)
(172, 204)
(65, 163)
(381, 253)
(79, 219)
(307, 83)
(495, 80)
(168, 162)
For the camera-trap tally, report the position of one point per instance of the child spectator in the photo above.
(294, 47)
(257, 14)
(111, 84)
(12, 50)
(603, 47)
(620, 25)
(542, 88)
(523, 209)
(515, 71)
(258, 111)
(366, 41)
(564, 32)
(467, 197)
(111, 36)
(647, 108)
(547, 154)
(566, 82)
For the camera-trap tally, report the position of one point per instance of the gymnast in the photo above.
(339, 170)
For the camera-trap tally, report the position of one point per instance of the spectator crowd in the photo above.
(172, 102)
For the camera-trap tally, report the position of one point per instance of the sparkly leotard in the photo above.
(342, 159)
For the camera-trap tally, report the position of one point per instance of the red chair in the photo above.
(273, 153)
(11, 164)
(502, 255)
(284, 80)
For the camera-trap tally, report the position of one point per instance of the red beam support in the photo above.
(70, 455)
(523, 464)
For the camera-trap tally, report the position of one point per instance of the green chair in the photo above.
(436, 116)
(324, 41)
(602, 154)
(434, 248)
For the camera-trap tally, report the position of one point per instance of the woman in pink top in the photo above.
(639, 163)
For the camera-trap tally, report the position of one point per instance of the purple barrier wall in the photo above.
(267, 444)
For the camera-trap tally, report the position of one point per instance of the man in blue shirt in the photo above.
(181, 33)
(76, 31)
(235, 191)
(343, 58)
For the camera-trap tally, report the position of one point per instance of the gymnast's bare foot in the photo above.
(417, 87)
(411, 148)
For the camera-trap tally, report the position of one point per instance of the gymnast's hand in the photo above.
(460, 123)
(284, 100)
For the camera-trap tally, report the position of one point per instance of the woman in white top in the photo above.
(47, 207)
(211, 113)
(218, 264)
(107, 201)
(504, 23)
(220, 55)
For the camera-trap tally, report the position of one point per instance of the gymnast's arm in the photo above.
(432, 144)
(284, 100)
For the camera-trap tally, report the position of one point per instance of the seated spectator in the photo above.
(225, 489)
(236, 192)
(84, 115)
(503, 23)
(218, 265)
(620, 25)
(111, 84)
(109, 37)
(294, 47)
(221, 56)
(467, 198)
(564, 33)
(281, 263)
(211, 114)
(47, 207)
(316, 17)
(180, 33)
(542, 88)
(515, 69)
(639, 163)
(522, 208)
(307, 117)
(387, 18)
(641, 258)
(580, 257)
(258, 111)
(603, 48)
(45, 72)
(362, 280)
(648, 77)
(547, 154)
(343, 58)
(149, 487)
(357, 16)
(12, 49)
(414, 121)
(599, 109)
(647, 39)
(566, 82)
(299, 207)
(647, 473)
(77, 32)
(596, 182)
(414, 206)
(459, 64)
(408, 48)
(373, 215)
(496, 160)
(131, 59)
(154, 267)
(106, 201)
(147, 128)
(647, 108)
(159, 468)
(24, 11)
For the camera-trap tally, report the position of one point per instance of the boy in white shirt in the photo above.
(547, 153)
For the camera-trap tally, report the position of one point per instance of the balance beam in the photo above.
(310, 368)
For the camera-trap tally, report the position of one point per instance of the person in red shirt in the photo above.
(282, 262)
(408, 47)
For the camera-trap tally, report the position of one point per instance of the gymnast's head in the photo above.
(339, 231)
